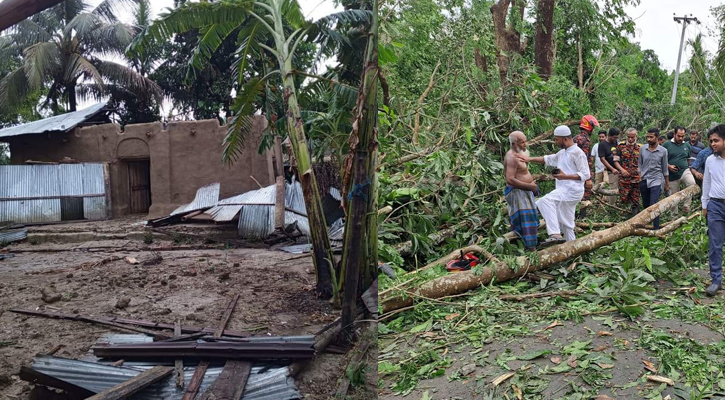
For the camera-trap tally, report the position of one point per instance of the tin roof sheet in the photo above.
(206, 197)
(63, 122)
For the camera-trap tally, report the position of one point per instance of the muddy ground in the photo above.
(88, 268)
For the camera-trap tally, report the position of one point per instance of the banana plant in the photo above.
(264, 28)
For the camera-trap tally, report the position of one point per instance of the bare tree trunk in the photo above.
(580, 65)
(463, 281)
(507, 40)
(543, 45)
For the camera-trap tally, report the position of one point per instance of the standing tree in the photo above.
(273, 28)
(507, 32)
(543, 45)
(61, 49)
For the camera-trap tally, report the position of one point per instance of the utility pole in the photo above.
(684, 20)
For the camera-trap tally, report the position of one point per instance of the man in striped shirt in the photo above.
(713, 206)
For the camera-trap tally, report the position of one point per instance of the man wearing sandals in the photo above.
(559, 206)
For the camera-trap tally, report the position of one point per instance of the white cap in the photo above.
(562, 130)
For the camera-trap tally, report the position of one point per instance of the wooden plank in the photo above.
(231, 382)
(279, 204)
(225, 318)
(195, 382)
(178, 363)
(199, 372)
(148, 324)
(133, 385)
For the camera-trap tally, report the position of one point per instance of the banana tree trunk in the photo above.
(501, 272)
(321, 249)
(360, 242)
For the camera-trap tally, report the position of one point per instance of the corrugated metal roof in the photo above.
(206, 197)
(13, 236)
(264, 383)
(63, 122)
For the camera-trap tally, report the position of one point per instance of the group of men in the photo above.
(638, 171)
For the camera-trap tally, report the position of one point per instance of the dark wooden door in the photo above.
(139, 182)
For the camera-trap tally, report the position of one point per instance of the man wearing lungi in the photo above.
(572, 170)
(519, 193)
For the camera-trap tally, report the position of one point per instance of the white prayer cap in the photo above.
(562, 130)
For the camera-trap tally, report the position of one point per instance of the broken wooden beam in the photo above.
(200, 370)
(126, 321)
(225, 318)
(460, 282)
(231, 382)
(133, 385)
(288, 350)
(179, 362)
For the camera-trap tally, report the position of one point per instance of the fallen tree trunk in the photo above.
(463, 281)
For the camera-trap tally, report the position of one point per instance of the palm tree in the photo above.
(270, 30)
(61, 51)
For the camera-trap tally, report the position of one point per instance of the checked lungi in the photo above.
(523, 215)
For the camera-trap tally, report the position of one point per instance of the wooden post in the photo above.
(107, 190)
(179, 362)
(279, 204)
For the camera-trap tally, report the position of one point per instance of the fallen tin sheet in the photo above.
(13, 236)
(206, 197)
(265, 382)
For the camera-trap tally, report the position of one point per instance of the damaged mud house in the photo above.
(79, 167)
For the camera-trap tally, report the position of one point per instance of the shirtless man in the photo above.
(520, 192)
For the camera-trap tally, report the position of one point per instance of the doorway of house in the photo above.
(139, 184)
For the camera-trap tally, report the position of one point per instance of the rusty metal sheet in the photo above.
(215, 350)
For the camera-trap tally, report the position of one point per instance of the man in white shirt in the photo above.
(713, 205)
(571, 171)
(598, 166)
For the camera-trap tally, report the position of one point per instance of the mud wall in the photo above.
(184, 157)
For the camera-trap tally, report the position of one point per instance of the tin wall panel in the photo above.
(26, 211)
(35, 186)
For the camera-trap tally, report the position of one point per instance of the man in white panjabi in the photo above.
(559, 206)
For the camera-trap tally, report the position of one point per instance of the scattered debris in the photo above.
(49, 295)
(501, 379)
(123, 302)
(660, 379)
(131, 260)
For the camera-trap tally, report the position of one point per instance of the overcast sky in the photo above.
(657, 30)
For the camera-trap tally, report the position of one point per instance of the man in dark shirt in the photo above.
(696, 146)
(606, 155)
(678, 151)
